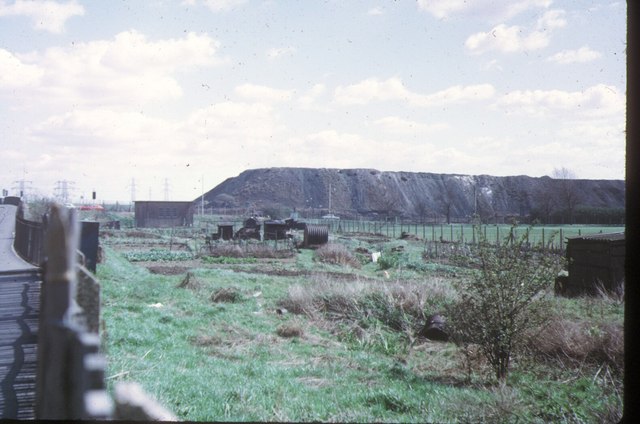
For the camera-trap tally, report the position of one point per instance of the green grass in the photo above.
(225, 361)
(464, 232)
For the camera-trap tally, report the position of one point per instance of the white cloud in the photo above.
(513, 39)
(371, 89)
(399, 125)
(582, 55)
(310, 97)
(455, 95)
(375, 11)
(131, 50)
(598, 100)
(232, 122)
(16, 74)
(552, 19)
(276, 52)
(335, 149)
(103, 129)
(128, 70)
(393, 89)
(46, 15)
(506, 39)
(263, 93)
(222, 5)
(492, 10)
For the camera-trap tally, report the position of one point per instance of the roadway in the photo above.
(19, 308)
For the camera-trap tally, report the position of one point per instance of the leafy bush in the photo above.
(389, 260)
(504, 299)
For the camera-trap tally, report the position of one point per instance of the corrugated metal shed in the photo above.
(595, 260)
(158, 214)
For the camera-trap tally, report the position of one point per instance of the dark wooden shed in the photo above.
(163, 214)
(595, 261)
(275, 230)
(225, 230)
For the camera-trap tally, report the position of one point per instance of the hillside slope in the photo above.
(368, 192)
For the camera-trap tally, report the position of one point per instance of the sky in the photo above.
(162, 99)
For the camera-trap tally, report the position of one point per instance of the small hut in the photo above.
(594, 262)
(163, 214)
(225, 230)
(275, 230)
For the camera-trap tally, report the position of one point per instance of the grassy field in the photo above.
(250, 334)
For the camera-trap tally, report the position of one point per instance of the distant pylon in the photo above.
(22, 187)
(166, 189)
(63, 189)
(132, 186)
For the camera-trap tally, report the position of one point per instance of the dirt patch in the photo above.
(167, 269)
(299, 273)
(141, 234)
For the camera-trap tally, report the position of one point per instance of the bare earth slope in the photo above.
(368, 192)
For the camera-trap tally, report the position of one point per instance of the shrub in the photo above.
(389, 260)
(505, 298)
(226, 250)
(579, 342)
(338, 254)
(227, 294)
(371, 312)
(261, 250)
(290, 330)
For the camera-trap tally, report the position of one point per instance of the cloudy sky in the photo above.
(163, 98)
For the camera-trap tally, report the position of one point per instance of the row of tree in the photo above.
(556, 200)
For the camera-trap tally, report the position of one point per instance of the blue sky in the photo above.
(174, 96)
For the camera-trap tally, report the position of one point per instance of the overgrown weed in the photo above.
(336, 254)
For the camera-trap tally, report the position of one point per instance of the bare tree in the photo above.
(567, 191)
(389, 201)
(446, 197)
(422, 209)
(544, 199)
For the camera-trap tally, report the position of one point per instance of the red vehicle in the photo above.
(91, 208)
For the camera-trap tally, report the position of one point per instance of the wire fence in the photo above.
(553, 237)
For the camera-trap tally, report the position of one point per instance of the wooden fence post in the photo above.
(70, 370)
(52, 394)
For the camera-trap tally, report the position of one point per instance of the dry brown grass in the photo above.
(252, 250)
(333, 300)
(256, 250)
(290, 330)
(580, 342)
(227, 250)
(338, 254)
(227, 295)
(189, 282)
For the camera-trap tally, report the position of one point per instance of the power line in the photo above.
(132, 186)
(62, 190)
(166, 189)
(22, 187)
